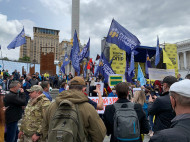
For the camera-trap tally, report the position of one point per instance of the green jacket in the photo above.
(93, 124)
(33, 117)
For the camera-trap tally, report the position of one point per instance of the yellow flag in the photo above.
(169, 64)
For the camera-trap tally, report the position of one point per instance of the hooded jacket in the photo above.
(93, 125)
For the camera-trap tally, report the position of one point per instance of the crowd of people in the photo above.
(160, 110)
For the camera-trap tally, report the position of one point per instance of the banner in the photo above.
(171, 50)
(160, 74)
(106, 101)
(114, 79)
(119, 59)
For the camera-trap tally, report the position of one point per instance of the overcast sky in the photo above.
(169, 19)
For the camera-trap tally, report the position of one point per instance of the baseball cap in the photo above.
(35, 88)
(182, 88)
(77, 80)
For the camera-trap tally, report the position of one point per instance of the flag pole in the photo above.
(2, 59)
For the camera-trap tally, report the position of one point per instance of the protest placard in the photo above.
(106, 101)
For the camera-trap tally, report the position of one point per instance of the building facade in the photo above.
(183, 51)
(25, 48)
(45, 38)
(42, 38)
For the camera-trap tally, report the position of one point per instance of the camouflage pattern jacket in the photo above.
(32, 120)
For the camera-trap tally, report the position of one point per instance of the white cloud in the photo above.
(9, 29)
(59, 7)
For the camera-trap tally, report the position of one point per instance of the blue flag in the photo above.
(18, 41)
(85, 70)
(132, 64)
(0, 47)
(127, 77)
(74, 54)
(96, 71)
(140, 76)
(84, 51)
(147, 65)
(157, 58)
(122, 37)
(105, 68)
(65, 62)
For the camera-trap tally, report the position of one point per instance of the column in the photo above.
(179, 66)
(185, 60)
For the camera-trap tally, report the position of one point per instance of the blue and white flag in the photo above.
(18, 41)
(105, 68)
(157, 58)
(122, 37)
(65, 62)
(74, 53)
(84, 51)
(140, 76)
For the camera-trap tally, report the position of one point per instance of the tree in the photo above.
(25, 59)
(5, 58)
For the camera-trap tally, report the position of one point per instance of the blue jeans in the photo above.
(12, 132)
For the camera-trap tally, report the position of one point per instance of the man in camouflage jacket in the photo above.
(31, 124)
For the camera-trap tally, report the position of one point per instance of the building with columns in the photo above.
(183, 51)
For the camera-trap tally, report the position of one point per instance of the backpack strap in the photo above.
(123, 105)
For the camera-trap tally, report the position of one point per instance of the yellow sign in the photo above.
(171, 50)
(166, 60)
(119, 59)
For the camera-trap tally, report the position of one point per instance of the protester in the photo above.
(113, 93)
(99, 105)
(140, 98)
(5, 75)
(179, 77)
(8, 82)
(15, 75)
(31, 124)
(180, 128)
(2, 119)
(13, 103)
(161, 107)
(34, 81)
(27, 85)
(93, 127)
(46, 89)
(60, 79)
(55, 81)
(187, 76)
(63, 87)
(108, 116)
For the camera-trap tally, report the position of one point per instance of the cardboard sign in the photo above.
(106, 101)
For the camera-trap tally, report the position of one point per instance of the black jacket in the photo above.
(109, 120)
(179, 132)
(162, 109)
(14, 102)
